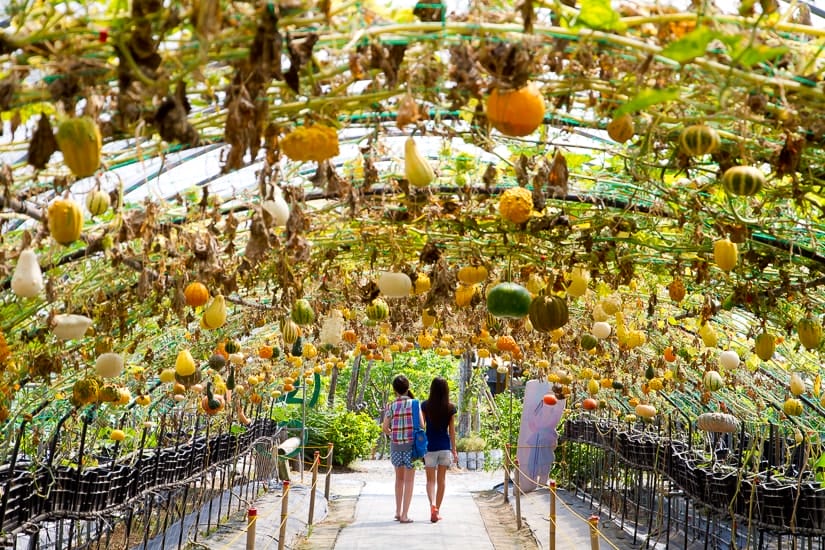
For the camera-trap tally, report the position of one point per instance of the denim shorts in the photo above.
(438, 458)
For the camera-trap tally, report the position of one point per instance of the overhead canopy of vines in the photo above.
(262, 149)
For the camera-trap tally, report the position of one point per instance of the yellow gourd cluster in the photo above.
(516, 204)
(314, 142)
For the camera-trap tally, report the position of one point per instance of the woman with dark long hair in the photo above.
(441, 452)
(398, 425)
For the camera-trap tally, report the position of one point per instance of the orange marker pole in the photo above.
(553, 515)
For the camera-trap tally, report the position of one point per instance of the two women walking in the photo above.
(438, 415)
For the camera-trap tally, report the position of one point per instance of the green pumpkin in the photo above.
(809, 331)
(743, 180)
(289, 330)
(232, 346)
(588, 342)
(617, 385)
(548, 313)
(378, 310)
(302, 312)
(765, 345)
(509, 301)
(298, 347)
(217, 361)
(230, 380)
(698, 140)
(713, 381)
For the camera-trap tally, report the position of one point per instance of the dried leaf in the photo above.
(408, 112)
(558, 177)
(300, 53)
(258, 244)
(170, 119)
(528, 15)
(388, 59)
(42, 144)
(787, 162)
(429, 11)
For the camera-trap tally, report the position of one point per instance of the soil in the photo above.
(503, 534)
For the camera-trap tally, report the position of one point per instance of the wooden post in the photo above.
(252, 517)
(594, 532)
(517, 493)
(552, 515)
(284, 512)
(506, 471)
(315, 460)
(328, 480)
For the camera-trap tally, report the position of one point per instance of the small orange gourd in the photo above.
(516, 113)
(196, 294)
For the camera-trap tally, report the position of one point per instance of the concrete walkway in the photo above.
(363, 504)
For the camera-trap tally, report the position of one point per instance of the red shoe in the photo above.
(434, 517)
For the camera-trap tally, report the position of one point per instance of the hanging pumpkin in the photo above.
(729, 359)
(621, 128)
(98, 202)
(792, 407)
(713, 381)
(765, 345)
(601, 329)
(68, 326)
(212, 404)
(743, 180)
(302, 312)
(725, 254)
(27, 280)
(809, 331)
(109, 365)
(515, 205)
(645, 411)
(548, 313)
(579, 279)
(65, 221)
(472, 274)
(185, 363)
(698, 140)
(196, 294)
(80, 142)
(676, 290)
(796, 385)
(394, 284)
(378, 310)
(289, 330)
(516, 113)
(509, 301)
(717, 422)
(464, 295)
(214, 316)
(422, 283)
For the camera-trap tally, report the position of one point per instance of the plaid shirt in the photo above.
(401, 421)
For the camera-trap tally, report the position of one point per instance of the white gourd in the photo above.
(109, 365)
(68, 326)
(394, 285)
(717, 422)
(27, 280)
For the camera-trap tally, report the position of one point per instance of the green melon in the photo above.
(509, 301)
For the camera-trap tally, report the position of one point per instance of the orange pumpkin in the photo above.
(349, 336)
(196, 294)
(670, 357)
(265, 352)
(590, 404)
(506, 343)
(516, 113)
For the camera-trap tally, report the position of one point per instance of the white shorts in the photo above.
(438, 458)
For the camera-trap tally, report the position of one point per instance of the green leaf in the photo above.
(600, 15)
(754, 55)
(646, 98)
(690, 46)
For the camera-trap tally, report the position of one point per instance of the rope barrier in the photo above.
(550, 487)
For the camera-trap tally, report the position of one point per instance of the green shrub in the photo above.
(502, 428)
(471, 443)
(353, 434)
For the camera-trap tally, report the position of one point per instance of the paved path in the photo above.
(363, 504)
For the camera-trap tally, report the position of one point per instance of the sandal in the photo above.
(397, 518)
(408, 520)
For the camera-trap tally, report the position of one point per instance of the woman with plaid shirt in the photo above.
(398, 425)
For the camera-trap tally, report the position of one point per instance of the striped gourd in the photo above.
(698, 140)
(97, 202)
(743, 180)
